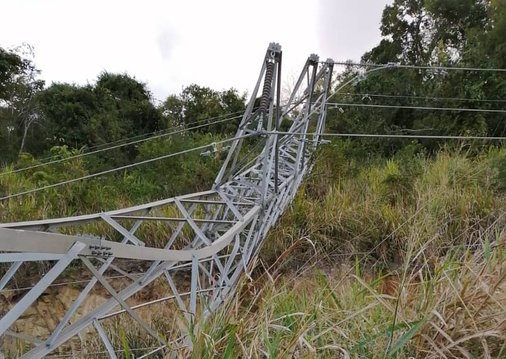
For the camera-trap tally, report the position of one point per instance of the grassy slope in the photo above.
(403, 258)
(376, 258)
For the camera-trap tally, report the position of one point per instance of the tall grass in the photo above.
(383, 258)
(395, 257)
(453, 308)
(161, 179)
(381, 205)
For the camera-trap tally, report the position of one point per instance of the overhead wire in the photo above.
(394, 65)
(430, 108)
(426, 98)
(90, 148)
(123, 167)
(179, 131)
(370, 135)
(346, 63)
(376, 67)
(141, 135)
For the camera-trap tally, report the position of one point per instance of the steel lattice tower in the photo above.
(214, 236)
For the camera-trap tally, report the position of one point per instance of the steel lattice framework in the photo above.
(214, 235)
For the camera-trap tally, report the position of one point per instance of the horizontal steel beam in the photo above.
(13, 240)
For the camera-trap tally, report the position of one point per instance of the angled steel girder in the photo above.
(213, 235)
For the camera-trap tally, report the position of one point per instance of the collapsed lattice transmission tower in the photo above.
(209, 238)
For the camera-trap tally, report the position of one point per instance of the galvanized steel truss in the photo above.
(213, 235)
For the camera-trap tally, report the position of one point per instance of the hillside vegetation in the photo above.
(399, 256)
(393, 247)
(385, 258)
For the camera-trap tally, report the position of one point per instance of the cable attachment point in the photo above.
(313, 59)
(274, 49)
(216, 149)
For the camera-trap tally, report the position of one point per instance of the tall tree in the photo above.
(19, 84)
(200, 105)
(132, 101)
(434, 32)
(117, 106)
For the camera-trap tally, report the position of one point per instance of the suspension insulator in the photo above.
(266, 93)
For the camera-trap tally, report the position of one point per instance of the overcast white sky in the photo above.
(171, 44)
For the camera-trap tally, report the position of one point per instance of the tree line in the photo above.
(64, 120)
(444, 33)
(458, 33)
(52, 134)
(35, 118)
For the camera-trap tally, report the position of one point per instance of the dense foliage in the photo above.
(38, 121)
(416, 226)
(440, 33)
(397, 258)
(84, 129)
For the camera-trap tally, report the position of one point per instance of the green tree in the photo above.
(199, 105)
(68, 111)
(117, 106)
(431, 31)
(132, 101)
(19, 84)
(463, 33)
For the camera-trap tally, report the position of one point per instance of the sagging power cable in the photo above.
(429, 108)
(394, 65)
(424, 98)
(372, 135)
(157, 136)
(98, 174)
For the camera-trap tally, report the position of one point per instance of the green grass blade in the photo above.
(405, 338)
(229, 351)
